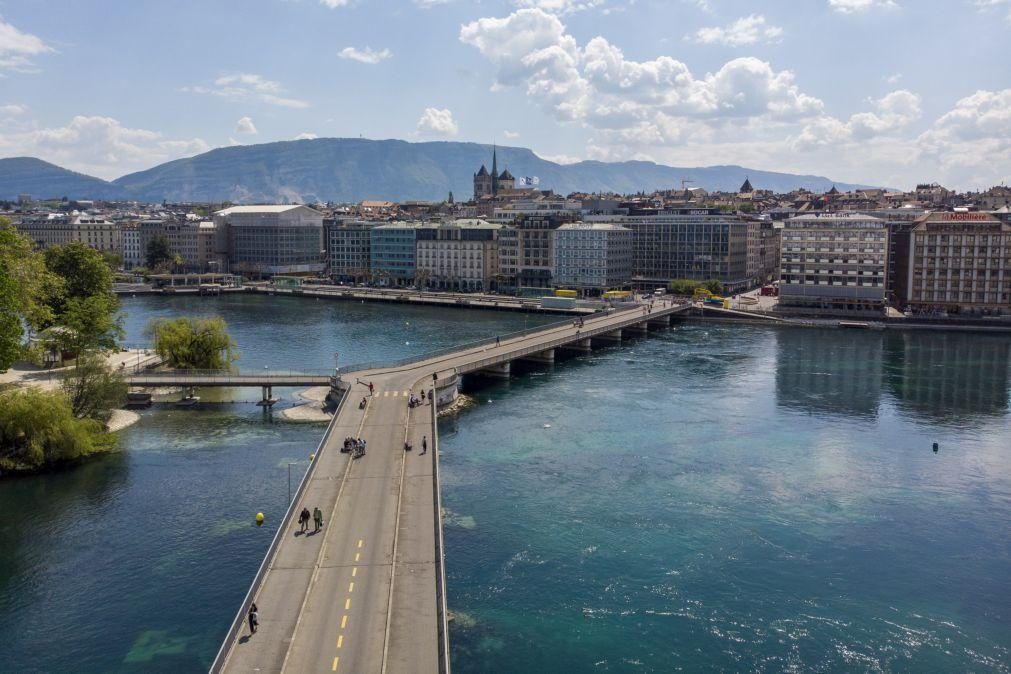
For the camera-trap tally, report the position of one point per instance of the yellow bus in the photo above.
(619, 295)
(562, 292)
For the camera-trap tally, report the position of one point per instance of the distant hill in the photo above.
(352, 169)
(20, 175)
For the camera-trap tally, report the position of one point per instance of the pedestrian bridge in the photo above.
(154, 379)
(368, 592)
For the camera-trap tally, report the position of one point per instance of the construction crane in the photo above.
(686, 181)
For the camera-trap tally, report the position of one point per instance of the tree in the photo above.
(38, 429)
(87, 306)
(83, 270)
(25, 285)
(158, 253)
(193, 343)
(714, 286)
(93, 388)
(114, 260)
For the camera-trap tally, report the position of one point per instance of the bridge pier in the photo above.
(543, 357)
(445, 390)
(638, 329)
(500, 371)
(613, 337)
(660, 322)
(579, 346)
(267, 400)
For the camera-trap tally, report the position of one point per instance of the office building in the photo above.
(527, 251)
(959, 263)
(834, 262)
(268, 240)
(392, 253)
(592, 257)
(349, 249)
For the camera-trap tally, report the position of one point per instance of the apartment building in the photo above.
(527, 250)
(834, 262)
(97, 232)
(47, 229)
(129, 240)
(271, 239)
(959, 263)
(458, 255)
(593, 256)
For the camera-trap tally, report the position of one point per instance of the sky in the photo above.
(882, 92)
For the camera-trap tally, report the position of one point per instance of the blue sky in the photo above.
(888, 92)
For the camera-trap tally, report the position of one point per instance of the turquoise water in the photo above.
(137, 562)
(718, 497)
(724, 497)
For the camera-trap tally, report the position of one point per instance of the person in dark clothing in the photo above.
(254, 618)
(424, 444)
(303, 519)
(317, 518)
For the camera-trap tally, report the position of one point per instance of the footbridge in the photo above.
(367, 592)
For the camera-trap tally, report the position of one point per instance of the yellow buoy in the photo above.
(312, 457)
(259, 519)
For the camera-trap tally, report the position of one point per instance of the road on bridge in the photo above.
(361, 595)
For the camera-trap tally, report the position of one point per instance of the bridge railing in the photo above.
(240, 617)
(233, 374)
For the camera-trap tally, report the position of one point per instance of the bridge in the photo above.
(367, 593)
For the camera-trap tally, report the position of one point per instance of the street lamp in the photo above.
(290, 464)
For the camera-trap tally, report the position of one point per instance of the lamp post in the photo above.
(290, 464)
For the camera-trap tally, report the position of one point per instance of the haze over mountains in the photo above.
(353, 169)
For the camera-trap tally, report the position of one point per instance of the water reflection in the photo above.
(946, 375)
(829, 372)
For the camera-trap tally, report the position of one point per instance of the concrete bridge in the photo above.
(367, 593)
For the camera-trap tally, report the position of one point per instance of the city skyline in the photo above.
(869, 91)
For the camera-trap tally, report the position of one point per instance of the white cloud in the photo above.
(893, 112)
(984, 5)
(855, 6)
(13, 109)
(99, 146)
(333, 4)
(511, 135)
(561, 158)
(437, 122)
(426, 4)
(249, 86)
(560, 6)
(245, 125)
(599, 88)
(367, 55)
(16, 48)
(746, 30)
(306, 136)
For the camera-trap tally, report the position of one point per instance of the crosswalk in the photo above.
(394, 394)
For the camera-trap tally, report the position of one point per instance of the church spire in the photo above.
(494, 169)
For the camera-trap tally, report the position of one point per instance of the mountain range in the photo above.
(353, 169)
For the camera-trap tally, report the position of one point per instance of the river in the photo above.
(716, 497)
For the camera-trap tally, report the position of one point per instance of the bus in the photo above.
(563, 292)
(617, 295)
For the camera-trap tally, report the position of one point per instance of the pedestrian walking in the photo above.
(498, 341)
(254, 618)
(303, 519)
(371, 388)
(422, 395)
(317, 518)
(424, 444)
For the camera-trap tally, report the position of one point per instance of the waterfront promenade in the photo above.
(366, 593)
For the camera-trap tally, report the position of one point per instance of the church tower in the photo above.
(494, 170)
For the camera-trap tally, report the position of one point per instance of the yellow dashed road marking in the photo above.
(347, 604)
(354, 572)
(351, 587)
(344, 622)
(340, 641)
(335, 663)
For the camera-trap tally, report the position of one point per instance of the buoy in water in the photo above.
(935, 448)
(259, 519)
(312, 457)
(547, 425)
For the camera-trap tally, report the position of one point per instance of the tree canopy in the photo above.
(87, 306)
(25, 286)
(683, 286)
(158, 253)
(93, 388)
(193, 343)
(38, 429)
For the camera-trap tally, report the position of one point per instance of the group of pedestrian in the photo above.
(578, 323)
(424, 445)
(354, 446)
(317, 519)
(414, 400)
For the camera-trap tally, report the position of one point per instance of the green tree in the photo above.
(714, 286)
(193, 343)
(683, 286)
(38, 429)
(83, 270)
(93, 388)
(87, 307)
(113, 260)
(158, 253)
(25, 286)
